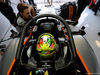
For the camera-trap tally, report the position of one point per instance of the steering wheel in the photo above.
(71, 42)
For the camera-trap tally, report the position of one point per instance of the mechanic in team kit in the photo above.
(25, 13)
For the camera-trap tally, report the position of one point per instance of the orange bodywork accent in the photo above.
(64, 31)
(28, 36)
(83, 62)
(11, 66)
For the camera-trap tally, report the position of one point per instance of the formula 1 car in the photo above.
(72, 54)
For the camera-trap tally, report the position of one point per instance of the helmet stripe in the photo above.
(49, 41)
(52, 45)
(38, 46)
(41, 42)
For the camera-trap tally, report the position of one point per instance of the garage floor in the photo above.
(87, 19)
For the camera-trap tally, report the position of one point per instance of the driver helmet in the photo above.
(46, 45)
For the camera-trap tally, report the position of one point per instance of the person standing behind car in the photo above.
(23, 15)
(50, 3)
(31, 2)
